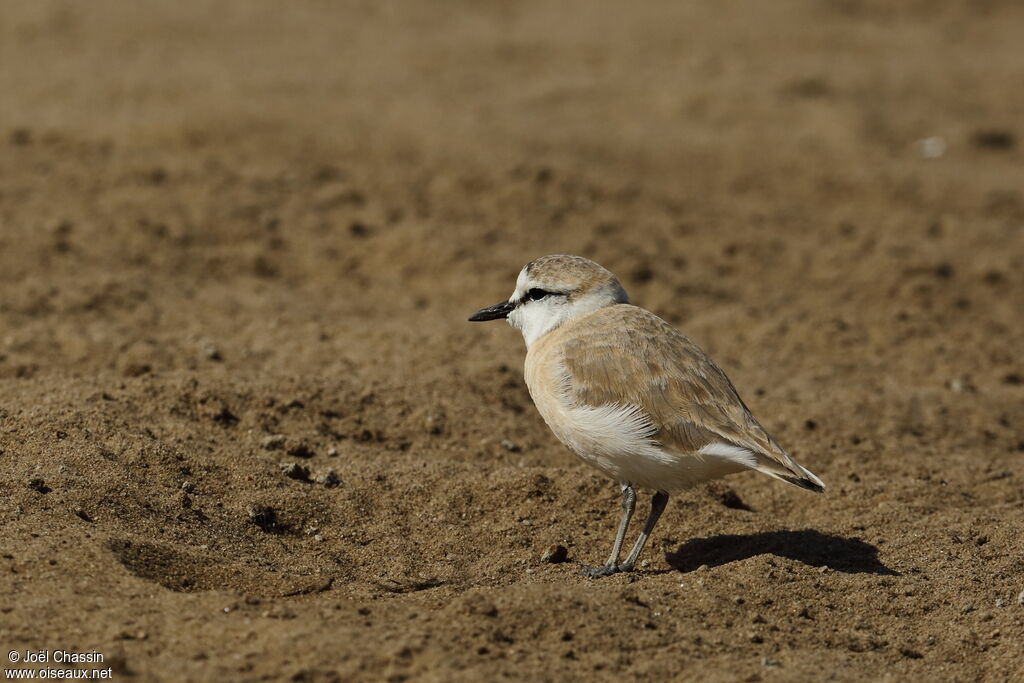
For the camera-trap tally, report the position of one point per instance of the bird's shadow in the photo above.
(848, 555)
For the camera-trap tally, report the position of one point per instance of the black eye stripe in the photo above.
(535, 294)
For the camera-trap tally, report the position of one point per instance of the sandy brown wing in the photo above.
(624, 354)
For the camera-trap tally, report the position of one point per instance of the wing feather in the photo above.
(624, 354)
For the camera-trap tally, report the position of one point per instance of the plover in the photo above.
(630, 394)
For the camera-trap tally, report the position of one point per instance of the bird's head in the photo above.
(553, 290)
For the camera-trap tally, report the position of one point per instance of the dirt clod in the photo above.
(295, 471)
(263, 516)
(328, 478)
(555, 554)
(273, 442)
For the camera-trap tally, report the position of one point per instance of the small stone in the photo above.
(212, 352)
(329, 478)
(768, 661)
(1020, 598)
(301, 450)
(263, 516)
(136, 369)
(188, 487)
(645, 563)
(435, 423)
(224, 417)
(295, 471)
(83, 515)
(318, 538)
(960, 385)
(510, 446)
(1000, 602)
(555, 554)
(273, 442)
(823, 569)
(332, 452)
(931, 148)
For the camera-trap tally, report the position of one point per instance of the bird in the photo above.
(630, 394)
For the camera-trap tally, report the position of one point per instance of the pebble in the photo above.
(435, 423)
(555, 554)
(931, 148)
(273, 442)
(295, 471)
(332, 452)
(329, 478)
(262, 516)
(768, 661)
(960, 385)
(1020, 598)
(510, 446)
(1000, 602)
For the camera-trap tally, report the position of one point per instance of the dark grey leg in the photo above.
(658, 502)
(628, 506)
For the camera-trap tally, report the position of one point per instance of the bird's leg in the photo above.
(658, 502)
(628, 506)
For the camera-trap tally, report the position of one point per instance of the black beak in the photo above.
(495, 312)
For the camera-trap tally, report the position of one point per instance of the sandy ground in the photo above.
(238, 236)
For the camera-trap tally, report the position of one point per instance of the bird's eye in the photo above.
(536, 294)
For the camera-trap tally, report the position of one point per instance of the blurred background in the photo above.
(239, 235)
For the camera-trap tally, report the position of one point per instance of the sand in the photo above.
(246, 433)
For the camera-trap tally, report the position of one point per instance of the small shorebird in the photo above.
(629, 394)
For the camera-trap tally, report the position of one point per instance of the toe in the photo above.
(598, 572)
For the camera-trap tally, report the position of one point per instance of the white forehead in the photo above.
(522, 284)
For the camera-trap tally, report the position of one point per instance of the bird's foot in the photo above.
(605, 570)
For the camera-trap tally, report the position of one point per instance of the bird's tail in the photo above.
(790, 472)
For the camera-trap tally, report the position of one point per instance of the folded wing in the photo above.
(624, 354)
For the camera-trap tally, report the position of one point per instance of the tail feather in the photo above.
(790, 473)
